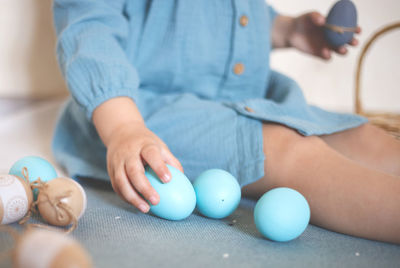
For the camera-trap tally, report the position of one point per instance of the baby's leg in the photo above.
(344, 196)
(368, 145)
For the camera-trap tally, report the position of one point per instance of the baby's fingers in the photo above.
(151, 154)
(353, 42)
(341, 50)
(325, 53)
(170, 159)
(317, 18)
(126, 191)
(135, 171)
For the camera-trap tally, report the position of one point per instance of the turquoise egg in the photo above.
(217, 192)
(177, 197)
(342, 14)
(282, 214)
(37, 168)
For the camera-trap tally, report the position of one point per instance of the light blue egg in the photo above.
(217, 192)
(37, 168)
(177, 197)
(282, 214)
(343, 14)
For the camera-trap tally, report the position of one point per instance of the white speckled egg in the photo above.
(15, 198)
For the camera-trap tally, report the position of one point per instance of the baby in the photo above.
(188, 83)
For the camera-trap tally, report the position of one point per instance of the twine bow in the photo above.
(56, 203)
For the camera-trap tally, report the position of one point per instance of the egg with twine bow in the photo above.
(61, 201)
(37, 167)
(38, 248)
(341, 23)
(16, 198)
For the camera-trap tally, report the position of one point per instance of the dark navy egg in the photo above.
(342, 14)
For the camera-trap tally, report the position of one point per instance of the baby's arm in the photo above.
(305, 33)
(130, 145)
(91, 52)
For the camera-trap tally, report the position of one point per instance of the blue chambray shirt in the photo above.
(198, 71)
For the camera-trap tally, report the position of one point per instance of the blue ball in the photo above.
(177, 197)
(282, 214)
(37, 168)
(217, 192)
(343, 14)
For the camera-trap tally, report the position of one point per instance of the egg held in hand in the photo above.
(177, 197)
(341, 23)
(217, 193)
(282, 214)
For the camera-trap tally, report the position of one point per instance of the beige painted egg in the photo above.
(15, 198)
(40, 248)
(59, 196)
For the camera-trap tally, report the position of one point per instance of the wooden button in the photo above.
(238, 68)
(244, 20)
(247, 108)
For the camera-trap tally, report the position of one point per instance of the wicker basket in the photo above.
(388, 121)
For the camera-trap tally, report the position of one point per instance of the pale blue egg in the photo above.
(177, 197)
(342, 14)
(282, 214)
(217, 192)
(37, 168)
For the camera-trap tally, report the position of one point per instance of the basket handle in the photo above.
(358, 106)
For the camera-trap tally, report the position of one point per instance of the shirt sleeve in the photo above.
(90, 50)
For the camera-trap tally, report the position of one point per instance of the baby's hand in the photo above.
(307, 35)
(130, 147)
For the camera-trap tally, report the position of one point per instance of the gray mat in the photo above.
(117, 235)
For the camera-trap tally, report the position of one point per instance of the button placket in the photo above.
(241, 31)
(239, 57)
